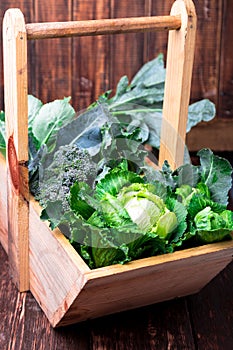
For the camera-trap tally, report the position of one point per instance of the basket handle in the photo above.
(182, 22)
(102, 27)
(180, 56)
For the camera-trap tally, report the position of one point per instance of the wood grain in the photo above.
(157, 42)
(180, 56)
(53, 57)
(16, 112)
(3, 204)
(211, 311)
(225, 94)
(147, 281)
(126, 51)
(90, 56)
(206, 74)
(56, 270)
(101, 27)
(162, 326)
(26, 7)
(216, 135)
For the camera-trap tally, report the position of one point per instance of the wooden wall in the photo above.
(85, 67)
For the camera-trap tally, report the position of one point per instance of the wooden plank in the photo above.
(225, 93)
(56, 270)
(126, 51)
(216, 135)
(53, 57)
(181, 45)
(3, 204)
(147, 281)
(90, 56)
(206, 72)
(15, 88)
(157, 42)
(211, 311)
(26, 7)
(161, 326)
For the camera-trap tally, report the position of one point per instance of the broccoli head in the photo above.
(69, 164)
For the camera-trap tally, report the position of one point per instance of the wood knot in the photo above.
(13, 163)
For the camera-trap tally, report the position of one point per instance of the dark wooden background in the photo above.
(85, 67)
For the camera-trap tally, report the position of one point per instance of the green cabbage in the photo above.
(213, 227)
(148, 210)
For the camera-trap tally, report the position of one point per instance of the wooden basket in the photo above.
(42, 260)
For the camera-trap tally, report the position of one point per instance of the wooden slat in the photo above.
(90, 56)
(101, 27)
(56, 270)
(211, 311)
(162, 326)
(126, 50)
(206, 72)
(3, 204)
(225, 93)
(26, 6)
(101, 52)
(180, 57)
(157, 42)
(15, 73)
(216, 135)
(53, 68)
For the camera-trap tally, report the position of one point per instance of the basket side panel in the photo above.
(16, 116)
(3, 205)
(148, 285)
(53, 267)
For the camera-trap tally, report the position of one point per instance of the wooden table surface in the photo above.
(203, 321)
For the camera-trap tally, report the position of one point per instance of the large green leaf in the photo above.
(50, 118)
(216, 174)
(85, 130)
(152, 73)
(121, 87)
(181, 215)
(188, 174)
(200, 111)
(34, 106)
(139, 95)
